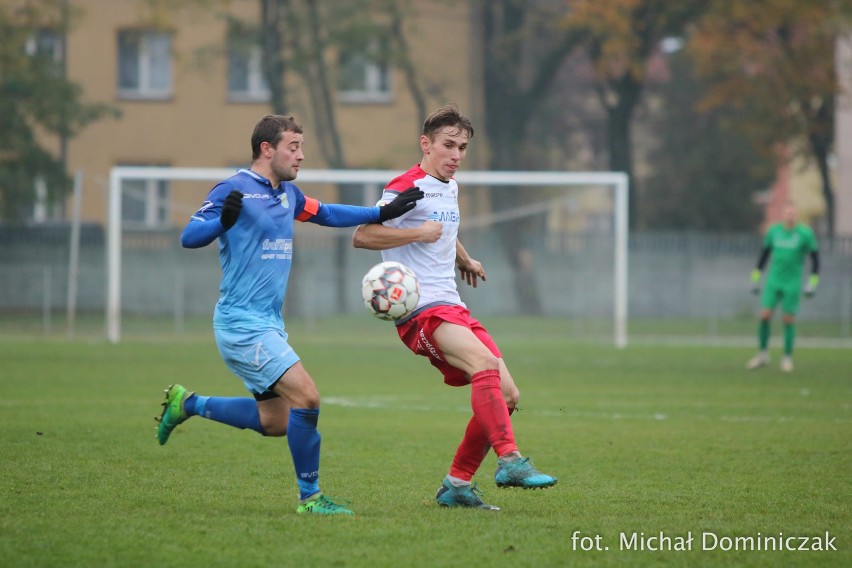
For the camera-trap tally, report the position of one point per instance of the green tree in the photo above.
(300, 41)
(37, 102)
(775, 60)
(705, 173)
(319, 32)
(621, 37)
(523, 48)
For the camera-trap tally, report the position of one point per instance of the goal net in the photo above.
(553, 245)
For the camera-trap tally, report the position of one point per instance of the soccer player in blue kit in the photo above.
(252, 214)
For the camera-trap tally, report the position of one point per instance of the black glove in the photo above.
(231, 209)
(402, 204)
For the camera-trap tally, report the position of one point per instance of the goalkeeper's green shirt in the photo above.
(789, 247)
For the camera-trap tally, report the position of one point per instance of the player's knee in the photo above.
(309, 397)
(313, 401)
(488, 362)
(304, 394)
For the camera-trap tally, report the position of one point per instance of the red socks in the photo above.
(489, 427)
(472, 450)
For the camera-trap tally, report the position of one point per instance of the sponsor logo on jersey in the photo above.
(445, 216)
(428, 195)
(278, 244)
(791, 241)
(256, 196)
(279, 249)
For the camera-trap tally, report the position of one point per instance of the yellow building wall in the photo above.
(198, 127)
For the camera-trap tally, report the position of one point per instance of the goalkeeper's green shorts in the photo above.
(786, 295)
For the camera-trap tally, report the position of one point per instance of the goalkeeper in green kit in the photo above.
(788, 243)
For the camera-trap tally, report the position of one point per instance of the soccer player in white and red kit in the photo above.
(441, 327)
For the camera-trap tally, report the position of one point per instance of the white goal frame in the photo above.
(617, 181)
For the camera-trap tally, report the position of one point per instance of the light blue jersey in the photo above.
(256, 255)
(257, 252)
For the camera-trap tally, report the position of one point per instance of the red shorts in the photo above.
(417, 332)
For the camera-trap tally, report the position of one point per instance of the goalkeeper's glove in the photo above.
(811, 286)
(401, 204)
(755, 281)
(231, 209)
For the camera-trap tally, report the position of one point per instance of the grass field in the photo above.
(649, 439)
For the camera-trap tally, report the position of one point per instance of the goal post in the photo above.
(617, 183)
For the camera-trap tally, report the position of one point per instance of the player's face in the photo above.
(789, 215)
(444, 153)
(287, 156)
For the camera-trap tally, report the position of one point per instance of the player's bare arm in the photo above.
(471, 270)
(375, 236)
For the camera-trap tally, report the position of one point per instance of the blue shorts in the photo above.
(258, 357)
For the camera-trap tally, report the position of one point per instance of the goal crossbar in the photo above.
(618, 181)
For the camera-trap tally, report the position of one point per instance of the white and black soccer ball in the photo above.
(390, 290)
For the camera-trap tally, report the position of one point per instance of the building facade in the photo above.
(189, 88)
(843, 139)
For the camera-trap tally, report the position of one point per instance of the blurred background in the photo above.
(718, 111)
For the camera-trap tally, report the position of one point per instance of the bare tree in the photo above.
(522, 52)
(316, 33)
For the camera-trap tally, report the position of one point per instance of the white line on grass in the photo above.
(390, 404)
(394, 403)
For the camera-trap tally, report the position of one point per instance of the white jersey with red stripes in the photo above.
(433, 263)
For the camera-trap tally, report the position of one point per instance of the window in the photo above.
(364, 76)
(145, 203)
(45, 42)
(246, 82)
(144, 65)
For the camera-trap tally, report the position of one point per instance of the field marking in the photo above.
(390, 403)
(734, 341)
(398, 403)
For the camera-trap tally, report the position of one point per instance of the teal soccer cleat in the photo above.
(464, 496)
(521, 473)
(322, 505)
(173, 412)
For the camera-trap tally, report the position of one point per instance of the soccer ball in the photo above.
(390, 290)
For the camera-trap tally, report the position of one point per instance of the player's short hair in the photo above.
(447, 115)
(271, 128)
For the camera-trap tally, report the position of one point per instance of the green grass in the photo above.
(651, 438)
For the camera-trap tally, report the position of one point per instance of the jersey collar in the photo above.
(261, 179)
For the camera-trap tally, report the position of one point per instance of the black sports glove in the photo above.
(231, 208)
(402, 204)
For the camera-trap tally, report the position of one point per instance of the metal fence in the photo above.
(672, 276)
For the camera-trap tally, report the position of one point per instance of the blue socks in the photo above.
(303, 438)
(237, 412)
(304, 441)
